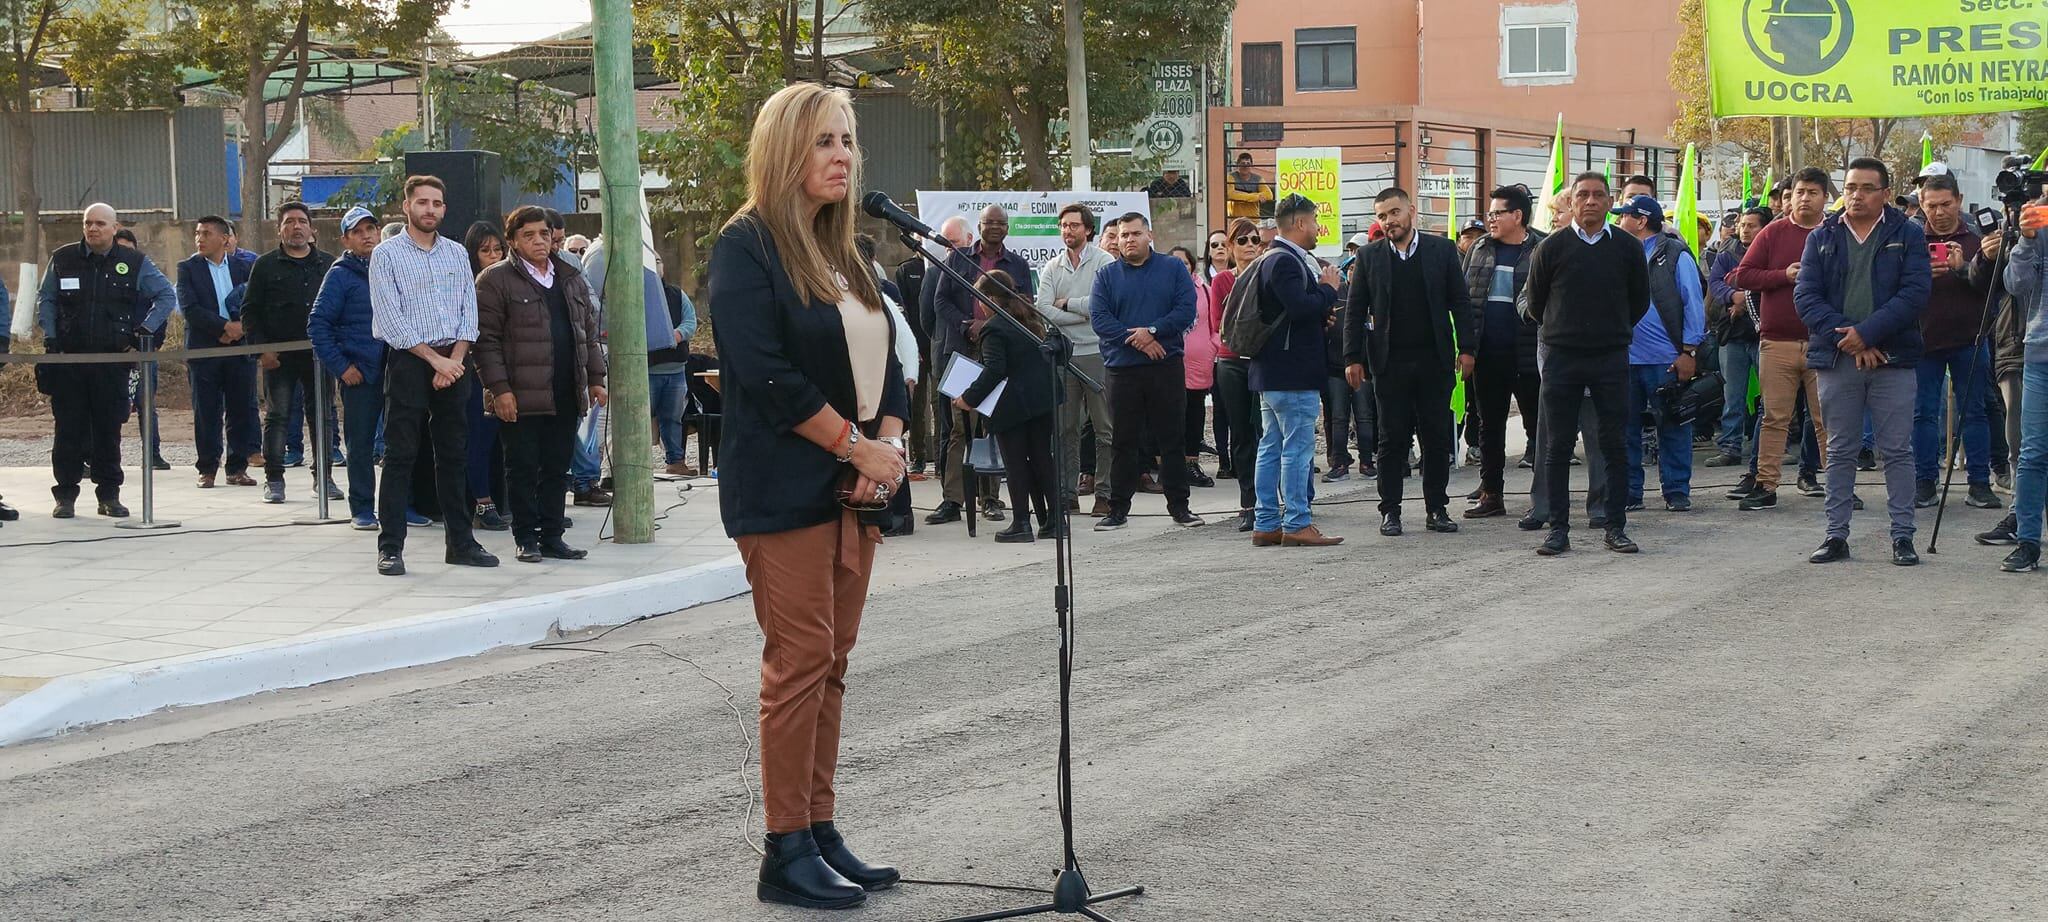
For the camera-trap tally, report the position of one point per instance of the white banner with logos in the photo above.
(1034, 216)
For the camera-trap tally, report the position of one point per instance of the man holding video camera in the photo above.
(2026, 278)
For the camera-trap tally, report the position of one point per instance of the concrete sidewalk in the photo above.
(84, 596)
(104, 623)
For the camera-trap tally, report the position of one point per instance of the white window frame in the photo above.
(1553, 14)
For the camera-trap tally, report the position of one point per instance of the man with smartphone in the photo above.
(1950, 326)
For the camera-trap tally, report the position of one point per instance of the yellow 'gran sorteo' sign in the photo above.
(1877, 57)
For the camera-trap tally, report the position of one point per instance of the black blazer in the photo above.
(1372, 297)
(1007, 353)
(781, 361)
(201, 304)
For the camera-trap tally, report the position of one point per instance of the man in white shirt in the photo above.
(1064, 285)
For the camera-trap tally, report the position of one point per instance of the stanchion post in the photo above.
(316, 410)
(147, 410)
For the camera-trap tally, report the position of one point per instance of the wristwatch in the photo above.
(894, 441)
(1154, 330)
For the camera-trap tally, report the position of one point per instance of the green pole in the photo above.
(618, 158)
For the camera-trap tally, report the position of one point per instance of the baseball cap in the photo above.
(1472, 224)
(1642, 206)
(1360, 239)
(1937, 168)
(355, 216)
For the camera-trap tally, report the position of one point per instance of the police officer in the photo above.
(87, 304)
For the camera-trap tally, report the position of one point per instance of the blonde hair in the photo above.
(817, 250)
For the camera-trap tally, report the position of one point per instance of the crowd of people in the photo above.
(1838, 325)
(470, 375)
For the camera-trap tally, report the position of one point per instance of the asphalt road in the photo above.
(1434, 727)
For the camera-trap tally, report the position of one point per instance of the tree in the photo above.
(727, 57)
(2033, 132)
(31, 29)
(36, 31)
(532, 127)
(247, 43)
(997, 70)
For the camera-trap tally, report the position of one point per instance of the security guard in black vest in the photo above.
(88, 303)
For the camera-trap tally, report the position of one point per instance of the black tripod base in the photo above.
(1069, 898)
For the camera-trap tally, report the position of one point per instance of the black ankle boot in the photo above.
(833, 846)
(793, 872)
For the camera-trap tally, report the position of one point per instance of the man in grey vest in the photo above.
(1664, 351)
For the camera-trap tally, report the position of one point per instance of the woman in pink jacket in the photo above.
(1200, 362)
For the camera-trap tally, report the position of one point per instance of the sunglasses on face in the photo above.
(1248, 239)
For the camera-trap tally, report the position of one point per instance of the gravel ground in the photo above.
(1434, 727)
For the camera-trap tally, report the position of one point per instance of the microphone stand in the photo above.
(1071, 895)
(1973, 389)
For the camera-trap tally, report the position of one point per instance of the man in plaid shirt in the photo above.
(423, 306)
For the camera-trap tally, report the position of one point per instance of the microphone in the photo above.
(878, 205)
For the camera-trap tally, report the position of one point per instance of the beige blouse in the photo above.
(867, 351)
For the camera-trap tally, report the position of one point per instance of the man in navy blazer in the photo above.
(223, 388)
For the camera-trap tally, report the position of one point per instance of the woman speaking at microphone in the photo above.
(814, 414)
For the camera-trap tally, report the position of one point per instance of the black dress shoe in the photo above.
(113, 509)
(793, 872)
(1390, 524)
(1903, 554)
(1619, 542)
(1019, 532)
(832, 846)
(159, 464)
(64, 510)
(948, 511)
(1244, 521)
(390, 564)
(471, 556)
(1048, 531)
(554, 549)
(1558, 543)
(1531, 522)
(1440, 521)
(9, 513)
(1831, 550)
(529, 553)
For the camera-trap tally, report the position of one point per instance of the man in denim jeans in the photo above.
(1862, 289)
(1288, 377)
(668, 377)
(1665, 350)
(2026, 278)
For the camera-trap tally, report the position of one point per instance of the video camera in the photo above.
(2018, 184)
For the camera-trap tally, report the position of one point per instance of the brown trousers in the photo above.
(809, 587)
(1781, 374)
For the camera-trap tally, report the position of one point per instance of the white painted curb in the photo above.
(132, 690)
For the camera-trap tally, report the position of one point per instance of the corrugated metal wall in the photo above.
(124, 159)
(900, 141)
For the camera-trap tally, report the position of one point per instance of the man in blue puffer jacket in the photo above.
(340, 330)
(1863, 282)
(2026, 277)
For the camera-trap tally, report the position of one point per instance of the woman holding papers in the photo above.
(1022, 418)
(814, 414)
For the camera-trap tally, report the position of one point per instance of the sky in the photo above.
(488, 26)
